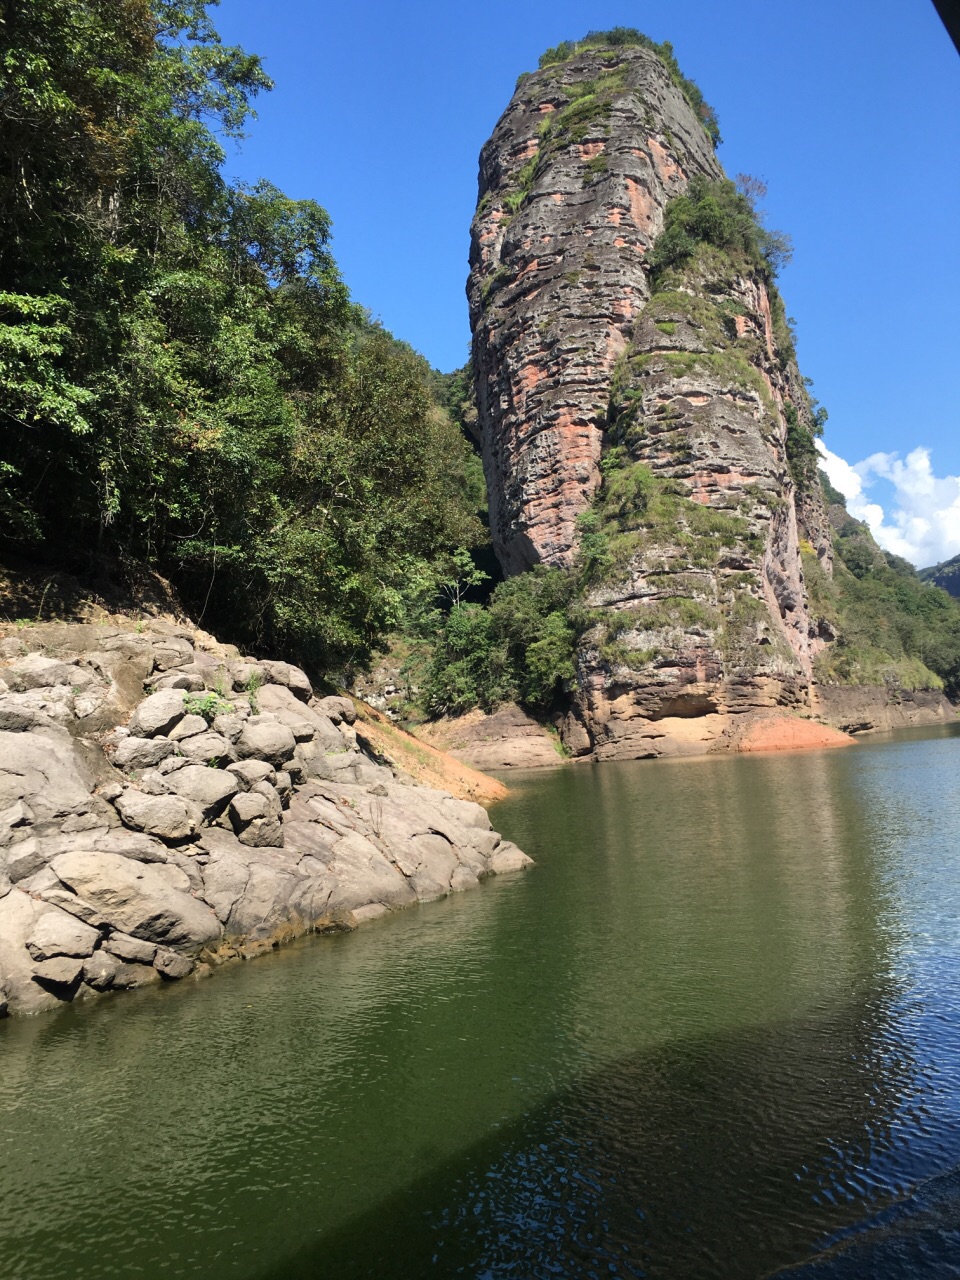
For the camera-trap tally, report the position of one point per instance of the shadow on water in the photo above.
(726, 1157)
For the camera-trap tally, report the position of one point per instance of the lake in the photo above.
(714, 1032)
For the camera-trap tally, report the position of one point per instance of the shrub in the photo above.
(716, 213)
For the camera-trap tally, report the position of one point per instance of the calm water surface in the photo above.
(715, 1032)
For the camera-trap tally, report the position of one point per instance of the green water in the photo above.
(715, 1032)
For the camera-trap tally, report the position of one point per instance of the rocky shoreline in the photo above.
(511, 739)
(167, 804)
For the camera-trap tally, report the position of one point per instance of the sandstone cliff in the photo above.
(166, 804)
(642, 418)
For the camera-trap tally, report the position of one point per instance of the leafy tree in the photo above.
(521, 647)
(182, 374)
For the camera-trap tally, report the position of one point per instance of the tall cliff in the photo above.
(641, 412)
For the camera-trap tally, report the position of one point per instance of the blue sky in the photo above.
(850, 112)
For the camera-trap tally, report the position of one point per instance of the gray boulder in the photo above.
(169, 817)
(188, 727)
(207, 746)
(136, 899)
(132, 950)
(172, 965)
(59, 934)
(208, 789)
(18, 717)
(248, 772)
(61, 971)
(291, 677)
(142, 753)
(36, 671)
(130, 976)
(46, 770)
(268, 740)
(157, 713)
(23, 860)
(335, 709)
(100, 970)
(255, 817)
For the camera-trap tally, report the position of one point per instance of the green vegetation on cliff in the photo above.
(945, 575)
(717, 213)
(890, 626)
(625, 37)
(183, 378)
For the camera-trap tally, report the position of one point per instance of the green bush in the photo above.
(716, 213)
(892, 627)
(520, 647)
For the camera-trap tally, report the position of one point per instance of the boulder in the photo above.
(100, 970)
(187, 680)
(18, 717)
(172, 965)
(169, 817)
(291, 677)
(255, 817)
(142, 753)
(13, 819)
(136, 899)
(23, 860)
(36, 671)
(188, 727)
(335, 709)
(230, 723)
(130, 976)
(61, 971)
(507, 857)
(267, 740)
(207, 746)
(247, 772)
(132, 950)
(208, 789)
(46, 770)
(157, 714)
(59, 934)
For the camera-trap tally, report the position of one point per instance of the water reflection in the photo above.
(712, 1032)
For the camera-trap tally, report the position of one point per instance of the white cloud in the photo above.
(923, 521)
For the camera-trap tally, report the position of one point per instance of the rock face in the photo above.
(684, 382)
(569, 205)
(144, 835)
(506, 739)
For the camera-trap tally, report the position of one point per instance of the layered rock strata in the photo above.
(166, 804)
(680, 386)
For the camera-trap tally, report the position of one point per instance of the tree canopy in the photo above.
(183, 376)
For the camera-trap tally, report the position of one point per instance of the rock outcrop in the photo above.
(166, 804)
(656, 405)
(507, 738)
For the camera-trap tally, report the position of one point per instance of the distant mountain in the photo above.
(946, 575)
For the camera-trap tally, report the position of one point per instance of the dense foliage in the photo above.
(891, 627)
(717, 213)
(620, 37)
(945, 575)
(519, 646)
(182, 374)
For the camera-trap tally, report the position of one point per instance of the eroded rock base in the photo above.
(167, 804)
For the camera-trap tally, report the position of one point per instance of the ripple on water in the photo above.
(716, 1032)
